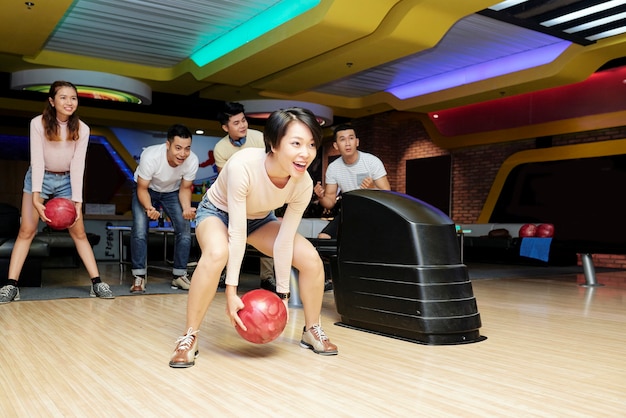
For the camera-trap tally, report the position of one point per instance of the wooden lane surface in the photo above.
(554, 349)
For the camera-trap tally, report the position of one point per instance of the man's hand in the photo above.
(189, 213)
(152, 213)
(318, 190)
(367, 183)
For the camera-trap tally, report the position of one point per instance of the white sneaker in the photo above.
(315, 339)
(139, 285)
(181, 282)
(186, 350)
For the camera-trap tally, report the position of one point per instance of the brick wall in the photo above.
(396, 137)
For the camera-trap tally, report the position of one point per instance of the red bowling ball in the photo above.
(545, 231)
(264, 314)
(527, 231)
(61, 212)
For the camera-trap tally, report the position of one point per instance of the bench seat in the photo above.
(31, 272)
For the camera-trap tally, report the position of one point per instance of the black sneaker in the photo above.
(101, 290)
(328, 285)
(269, 284)
(9, 293)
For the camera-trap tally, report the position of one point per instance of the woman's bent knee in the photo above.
(218, 256)
(27, 233)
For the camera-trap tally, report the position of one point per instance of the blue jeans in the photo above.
(139, 235)
(206, 209)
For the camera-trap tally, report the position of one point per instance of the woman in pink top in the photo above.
(58, 146)
(238, 209)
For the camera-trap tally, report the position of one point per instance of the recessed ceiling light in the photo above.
(261, 109)
(90, 84)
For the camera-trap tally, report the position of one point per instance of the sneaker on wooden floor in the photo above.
(315, 339)
(139, 284)
(186, 350)
(181, 282)
(101, 290)
(9, 293)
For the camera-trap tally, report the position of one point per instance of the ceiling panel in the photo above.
(473, 40)
(160, 33)
(390, 42)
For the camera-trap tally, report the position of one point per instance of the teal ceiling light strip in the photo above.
(262, 23)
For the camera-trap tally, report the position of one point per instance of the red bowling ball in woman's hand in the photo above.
(264, 314)
(61, 212)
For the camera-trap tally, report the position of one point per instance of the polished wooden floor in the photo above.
(553, 349)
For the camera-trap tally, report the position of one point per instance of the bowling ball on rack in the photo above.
(264, 314)
(527, 231)
(61, 212)
(545, 231)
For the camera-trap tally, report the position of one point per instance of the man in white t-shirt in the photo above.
(353, 170)
(238, 137)
(164, 179)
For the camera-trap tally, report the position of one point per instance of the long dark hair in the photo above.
(50, 123)
(278, 122)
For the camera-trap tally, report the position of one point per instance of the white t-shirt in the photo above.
(349, 177)
(164, 178)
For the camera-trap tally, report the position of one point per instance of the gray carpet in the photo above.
(154, 287)
(162, 286)
(68, 292)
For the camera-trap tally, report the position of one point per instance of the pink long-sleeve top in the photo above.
(245, 191)
(58, 156)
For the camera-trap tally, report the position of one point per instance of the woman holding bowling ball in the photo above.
(58, 147)
(238, 209)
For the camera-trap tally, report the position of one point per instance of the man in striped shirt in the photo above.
(353, 170)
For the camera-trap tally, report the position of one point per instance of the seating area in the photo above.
(9, 227)
(500, 243)
(63, 252)
(49, 249)
(161, 244)
(31, 272)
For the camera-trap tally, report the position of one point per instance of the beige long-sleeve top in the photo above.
(245, 191)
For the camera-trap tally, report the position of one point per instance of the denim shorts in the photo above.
(54, 185)
(206, 209)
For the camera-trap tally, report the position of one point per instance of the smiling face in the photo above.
(178, 150)
(237, 126)
(65, 102)
(296, 150)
